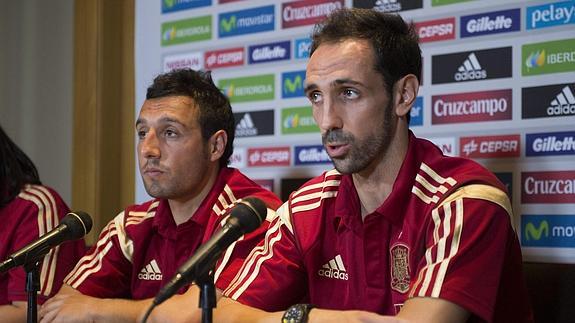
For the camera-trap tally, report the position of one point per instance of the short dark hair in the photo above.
(16, 170)
(395, 43)
(215, 111)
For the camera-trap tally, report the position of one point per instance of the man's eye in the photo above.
(170, 133)
(350, 93)
(315, 97)
(141, 134)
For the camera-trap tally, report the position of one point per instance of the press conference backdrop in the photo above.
(498, 87)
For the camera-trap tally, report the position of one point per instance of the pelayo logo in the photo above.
(247, 21)
(298, 120)
(302, 48)
(548, 57)
(248, 88)
(550, 15)
(548, 230)
(177, 5)
(292, 84)
(187, 30)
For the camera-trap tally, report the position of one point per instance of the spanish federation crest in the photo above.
(400, 268)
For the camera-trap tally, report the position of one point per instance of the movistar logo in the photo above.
(169, 3)
(532, 233)
(228, 24)
(292, 86)
(535, 59)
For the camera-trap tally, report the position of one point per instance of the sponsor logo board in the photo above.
(468, 66)
(268, 184)
(490, 146)
(471, 107)
(238, 159)
(548, 101)
(186, 30)
(307, 12)
(254, 123)
(548, 187)
(416, 113)
(445, 144)
(269, 52)
(269, 156)
(289, 185)
(507, 179)
(490, 23)
(556, 56)
(435, 3)
(313, 154)
(550, 15)
(248, 88)
(555, 231)
(298, 120)
(224, 58)
(248, 21)
(436, 30)
(550, 143)
(186, 60)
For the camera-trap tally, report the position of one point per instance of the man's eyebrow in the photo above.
(161, 120)
(309, 87)
(337, 82)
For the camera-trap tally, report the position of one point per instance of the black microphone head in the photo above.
(250, 213)
(79, 223)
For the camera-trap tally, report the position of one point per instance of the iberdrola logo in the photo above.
(291, 121)
(169, 34)
(229, 91)
(228, 24)
(536, 59)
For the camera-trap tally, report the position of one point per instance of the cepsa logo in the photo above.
(292, 84)
(224, 58)
(471, 107)
(491, 23)
(314, 154)
(269, 52)
(471, 66)
(489, 146)
(177, 5)
(436, 30)
(247, 21)
(307, 12)
(550, 15)
(180, 61)
(548, 187)
(302, 47)
(556, 56)
(557, 230)
(276, 156)
(388, 5)
(548, 101)
(550, 143)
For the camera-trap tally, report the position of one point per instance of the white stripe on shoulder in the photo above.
(436, 177)
(126, 244)
(426, 191)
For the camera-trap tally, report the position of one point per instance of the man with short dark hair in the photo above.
(186, 132)
(397, 228)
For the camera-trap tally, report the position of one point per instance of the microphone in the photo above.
(73, 226)
(244, 218)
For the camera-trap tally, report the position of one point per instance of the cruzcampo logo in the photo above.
(298, 120)
(186, 31)
(548, 57)
(535, 233)
(292, 84)
(249, 88)
(445, 2)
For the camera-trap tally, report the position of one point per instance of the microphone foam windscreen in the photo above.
(250, 212)
(79, 223)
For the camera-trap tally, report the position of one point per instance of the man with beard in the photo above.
(186, 132)
(397, 230)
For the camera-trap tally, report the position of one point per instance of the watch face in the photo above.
(296, 313)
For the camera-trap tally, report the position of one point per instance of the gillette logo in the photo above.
(269, 52)
(315, 154)
(552, 143)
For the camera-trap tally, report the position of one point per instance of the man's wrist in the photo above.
(297, 313)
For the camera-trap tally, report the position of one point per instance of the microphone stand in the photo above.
(207, 296)
(32, 288)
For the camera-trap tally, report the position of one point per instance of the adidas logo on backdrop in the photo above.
(470, 70)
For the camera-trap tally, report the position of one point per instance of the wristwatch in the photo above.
(297, 313)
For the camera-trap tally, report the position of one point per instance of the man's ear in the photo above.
(217, 144)
(405, 93)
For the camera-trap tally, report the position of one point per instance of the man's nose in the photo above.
(150, 147)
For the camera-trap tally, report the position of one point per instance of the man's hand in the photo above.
(178, 308)
(69, 305)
